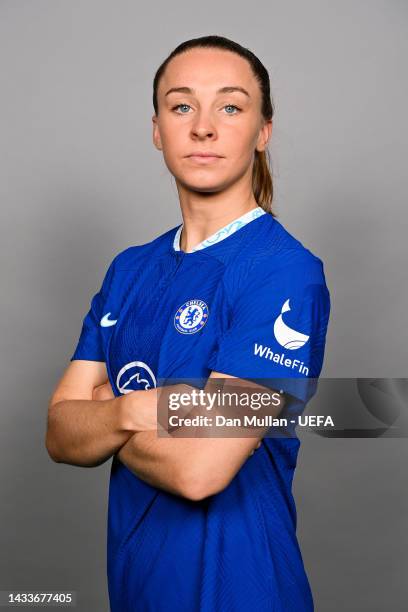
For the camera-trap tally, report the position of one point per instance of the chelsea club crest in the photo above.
(191, 317)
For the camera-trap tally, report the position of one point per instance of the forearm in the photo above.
(86, 432)
(155, 460)
(171, 462)
(194, 462)
(160, 460)
(190, 467)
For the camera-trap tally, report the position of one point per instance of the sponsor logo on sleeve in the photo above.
(287, 337)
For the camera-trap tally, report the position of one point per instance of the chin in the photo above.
(202, 186)
(203, 183)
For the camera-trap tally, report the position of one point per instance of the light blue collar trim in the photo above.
(222, 233)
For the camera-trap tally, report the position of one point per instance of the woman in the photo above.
(205, 524)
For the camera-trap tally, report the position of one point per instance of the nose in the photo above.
(203, 126)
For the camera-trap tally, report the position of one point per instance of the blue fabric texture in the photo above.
(250, 301)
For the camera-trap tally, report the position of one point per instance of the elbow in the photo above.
(51, 450)
(52, 454)
(49, 441)
(199, 485)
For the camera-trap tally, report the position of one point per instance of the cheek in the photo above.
(173, 152)
(241, 141)
(174, 138)
(243, 150)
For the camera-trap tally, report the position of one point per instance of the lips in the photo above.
(203, 154)
(204, 158)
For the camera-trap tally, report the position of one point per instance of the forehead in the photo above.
(208, 69)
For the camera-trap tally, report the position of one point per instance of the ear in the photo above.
(264, 135)
(156, 133)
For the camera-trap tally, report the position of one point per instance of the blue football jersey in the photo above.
(250, 301)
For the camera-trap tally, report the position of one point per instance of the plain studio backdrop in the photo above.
(81, 181)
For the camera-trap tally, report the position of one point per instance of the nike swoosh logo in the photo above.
(106, 322)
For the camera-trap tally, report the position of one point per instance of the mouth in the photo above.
(204, 158)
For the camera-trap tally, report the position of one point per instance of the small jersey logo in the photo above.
(191, 317)
(135, 376)
(106, 321)
(286, 336)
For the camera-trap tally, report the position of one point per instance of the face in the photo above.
(208, 115)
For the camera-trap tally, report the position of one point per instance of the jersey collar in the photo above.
(222, 233)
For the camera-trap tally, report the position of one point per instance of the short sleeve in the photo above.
(90, 345)
(277, 330)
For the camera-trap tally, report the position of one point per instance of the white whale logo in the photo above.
(285, 335)
(138, 371)
(106, 321)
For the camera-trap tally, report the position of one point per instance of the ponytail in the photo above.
(262, 184)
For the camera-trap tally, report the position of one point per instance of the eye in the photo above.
(232, 106)
(182, 104)
(178, 105)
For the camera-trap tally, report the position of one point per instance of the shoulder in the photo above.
(131, 256)
(275, 258)
(280, 248)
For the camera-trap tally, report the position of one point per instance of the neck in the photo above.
(205, 214)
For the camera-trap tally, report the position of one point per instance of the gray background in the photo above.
(81, 181)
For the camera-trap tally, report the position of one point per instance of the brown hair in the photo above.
(261, 175)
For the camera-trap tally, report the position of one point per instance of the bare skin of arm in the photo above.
(87, 424)
(85, 427)
(192, 467)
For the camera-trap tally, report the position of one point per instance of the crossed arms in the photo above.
(87, 424)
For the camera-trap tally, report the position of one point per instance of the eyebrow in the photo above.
(228, 89)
